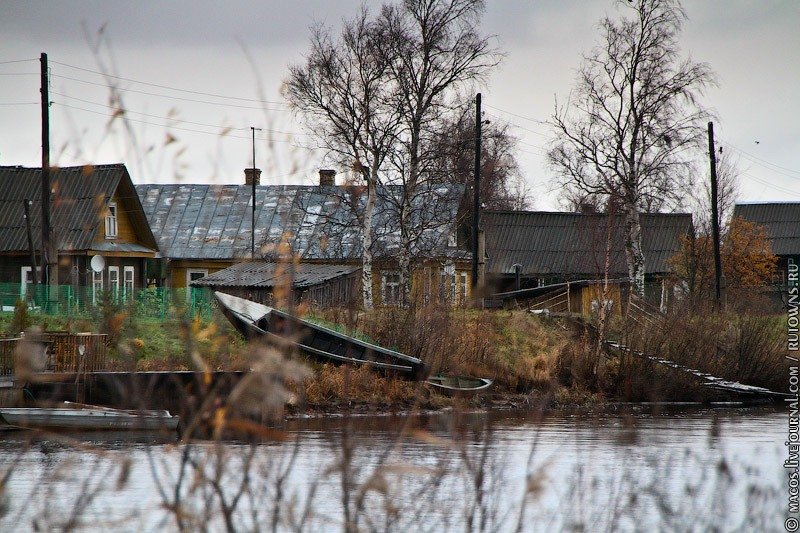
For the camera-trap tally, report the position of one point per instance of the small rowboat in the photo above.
(76, 416)
(254, 320)
(458, 384)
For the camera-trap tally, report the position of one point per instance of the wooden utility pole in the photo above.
(253, 214)
(715, 218)
(49, 256)
(476, 197)
(27, 204)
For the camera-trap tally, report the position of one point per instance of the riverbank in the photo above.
(533, 360)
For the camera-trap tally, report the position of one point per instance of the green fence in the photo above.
(70, 300)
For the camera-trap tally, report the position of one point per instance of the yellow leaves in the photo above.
(747, 258)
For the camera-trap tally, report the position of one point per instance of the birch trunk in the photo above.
(633, 249)
(366, 254)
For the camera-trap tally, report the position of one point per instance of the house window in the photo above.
(97, 286)
(448, 289)
(113, 280)
(111, 221)
(194, 274)
(128, 282)
(462, 287)
(26, 278)
(390, 288)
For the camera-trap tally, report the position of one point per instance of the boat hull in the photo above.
(254, 320)
(458, 385)
(87, 418)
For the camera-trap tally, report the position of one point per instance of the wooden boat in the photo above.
(458, 384)
(254, 320)
(76, 416)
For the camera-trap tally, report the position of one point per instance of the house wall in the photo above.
(177, 269)
(126, 232)
(428, 285)
(593, 293)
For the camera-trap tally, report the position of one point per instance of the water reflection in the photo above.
(630, 468)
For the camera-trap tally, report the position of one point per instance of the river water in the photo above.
(677, 468)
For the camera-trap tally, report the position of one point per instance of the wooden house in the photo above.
(531, 249)
(781, 221)
(95, 211)
(271, 283)
(202, 229)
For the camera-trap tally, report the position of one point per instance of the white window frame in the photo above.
(113, 284)
(24, 273)
(128, 284)
(462, 287)
(111, 221)
(390, 287)
(97, 285)
(190, 271)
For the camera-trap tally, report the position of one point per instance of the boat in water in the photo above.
(254, 320)
(457, 385)
(77, 416)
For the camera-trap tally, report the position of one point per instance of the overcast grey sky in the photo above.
(240, 50)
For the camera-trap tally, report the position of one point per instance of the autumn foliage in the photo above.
(747, 260)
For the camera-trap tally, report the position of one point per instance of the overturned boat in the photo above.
(77, 416)
(457, 385)
(254, 320)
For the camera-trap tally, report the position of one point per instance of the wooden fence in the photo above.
(67, 352)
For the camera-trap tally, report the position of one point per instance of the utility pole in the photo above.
(26, 207)
(253, 214)
(49, 258)
(715, 216)
(476, 196)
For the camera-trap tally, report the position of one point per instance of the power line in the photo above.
(764, 162)
(169, 87)
(516, 115)
(127, 111)
(18, 61)
(223, 104)
(19, 103)
(19, 73)
(771, 185)
(217, 134)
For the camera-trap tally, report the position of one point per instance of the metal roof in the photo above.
(574, 244)
(781, 220)
(78, 201)
(267, 274)
(195, 221)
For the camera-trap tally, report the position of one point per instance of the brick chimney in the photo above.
(327, 177)
(250, 174)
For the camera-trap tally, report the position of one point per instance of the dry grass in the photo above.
(347, 385)
(514, 348)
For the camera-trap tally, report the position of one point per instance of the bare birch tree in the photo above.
(627, 132)
(342, 92)
(436, 52)
(502, 185)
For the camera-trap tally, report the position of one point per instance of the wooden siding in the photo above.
(177, 269)
(126, 232)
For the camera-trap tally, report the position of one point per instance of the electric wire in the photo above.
(169, 126)
(189, 91)
(223, 104)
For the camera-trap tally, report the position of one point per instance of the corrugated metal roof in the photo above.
(195, 221)
(79, 198)
(266, 274)
(572, 244)
(781, 220)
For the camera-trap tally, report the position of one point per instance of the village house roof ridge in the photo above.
(213, 221)
(576, 213)
(77, 208)
(573, 244)
(781, 221)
